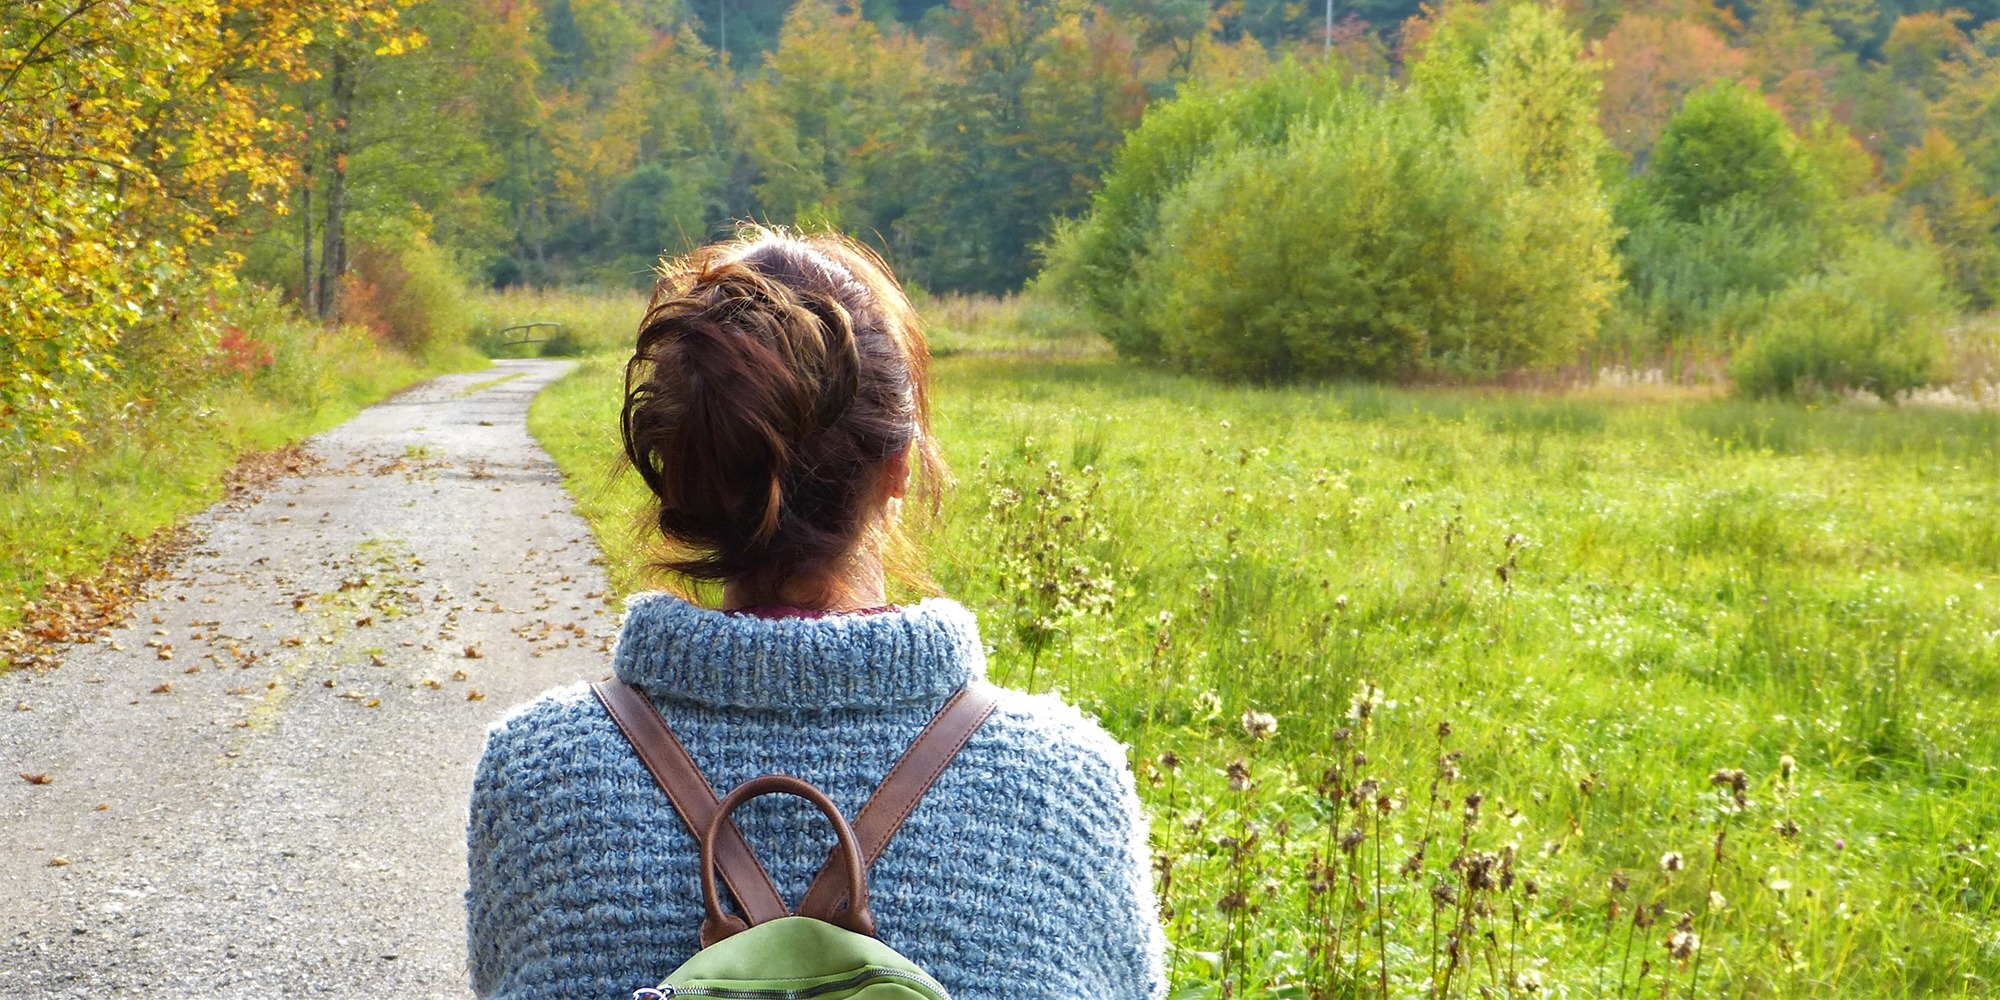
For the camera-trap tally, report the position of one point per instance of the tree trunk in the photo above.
(333, 249)
(308, 293)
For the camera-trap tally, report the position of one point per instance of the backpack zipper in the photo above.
(668, 991)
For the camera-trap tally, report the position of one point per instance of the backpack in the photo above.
(826, 949)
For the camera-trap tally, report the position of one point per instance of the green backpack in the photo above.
(828, 949)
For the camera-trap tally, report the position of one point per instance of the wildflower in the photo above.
(1716, 901)
(1671, 862)
(1362, 704)
(1684, 943)
(1779, 885)
(1239, 776)
(1340, 603)
(1259, 725)
(1786, 765)
(1210, 702)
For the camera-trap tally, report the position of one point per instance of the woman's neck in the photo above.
(858, 585)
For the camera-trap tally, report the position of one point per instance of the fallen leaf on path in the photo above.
(432, 683)
(166, 688)
(460, 675)
(364, 622)
(374, 703)
(475, 695)
(378, 659)
(36, 779)
(473, 653)
(58, 861)
(22, 706)
(100, 807)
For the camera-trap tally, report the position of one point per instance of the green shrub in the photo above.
(1384, 237)
(1873, 323)
(1092, 262)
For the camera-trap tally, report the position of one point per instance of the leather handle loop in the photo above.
(717, 925)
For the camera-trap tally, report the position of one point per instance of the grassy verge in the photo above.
(146, 463)
(1591, 695)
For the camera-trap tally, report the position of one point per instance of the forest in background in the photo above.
(172, 172)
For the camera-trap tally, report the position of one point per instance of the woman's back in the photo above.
(1022, 872)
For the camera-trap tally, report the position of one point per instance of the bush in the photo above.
(1092, 262)
(1388, 234)
(409, 295)
(1873, 323)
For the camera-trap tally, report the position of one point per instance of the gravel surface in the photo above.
(257, 787)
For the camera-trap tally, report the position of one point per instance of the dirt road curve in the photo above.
(258, 788)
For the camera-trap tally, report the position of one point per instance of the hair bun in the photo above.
(770, 381)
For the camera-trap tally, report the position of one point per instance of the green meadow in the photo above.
(1482, 693)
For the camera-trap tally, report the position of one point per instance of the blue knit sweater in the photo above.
(1022, 874)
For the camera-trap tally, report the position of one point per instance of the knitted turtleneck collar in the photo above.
(918, 653)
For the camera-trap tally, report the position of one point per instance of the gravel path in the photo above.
(257, 788)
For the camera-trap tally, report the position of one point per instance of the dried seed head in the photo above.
(1672, 861)
(1232, 901)
(1259, 725)
(1785, 828)
(1682, 945)
(1444, 730)
(1786, 765)
(1342, 735)
(1170, 762)
(1239, 776)
(1351, 839)
(1620, 881)
(1444, 896)
(1731, 778)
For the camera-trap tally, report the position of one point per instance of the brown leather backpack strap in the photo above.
(692, 797)
(900, 791)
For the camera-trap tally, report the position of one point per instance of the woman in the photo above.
(776, 407)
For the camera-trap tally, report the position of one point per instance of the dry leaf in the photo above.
(378, 659)
(432, 683)
(364, 622)
(58, 861)
(475, 695)
(100, 807)
(36, 779)
(374, 703)
(165, 688)
(473, 653)
(460, 675)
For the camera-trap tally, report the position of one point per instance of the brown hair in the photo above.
(774, 376)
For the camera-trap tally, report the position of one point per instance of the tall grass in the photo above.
(1443, 693)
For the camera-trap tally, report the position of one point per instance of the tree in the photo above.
(1949, 208)
(1651, 64)
(132, 134)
